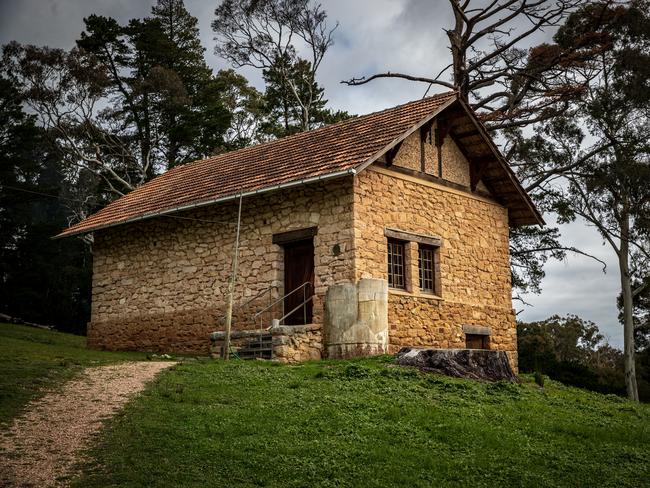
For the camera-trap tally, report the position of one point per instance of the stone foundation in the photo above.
(184, 332)
(291, 343)
(296, 343)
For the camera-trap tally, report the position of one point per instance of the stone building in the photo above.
(378, 232)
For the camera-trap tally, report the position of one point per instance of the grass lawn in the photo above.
(366, 423)
(33, 360)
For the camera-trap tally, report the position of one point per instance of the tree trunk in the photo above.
(457, 42)
(172, 146)
(145, 144)
(305, 119)
(628, 320)
(285, 109)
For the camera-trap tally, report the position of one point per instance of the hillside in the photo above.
(367, 423)
(337, 423)
(34, 360)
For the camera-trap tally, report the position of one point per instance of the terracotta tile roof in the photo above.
(331, 149)
(326, 152)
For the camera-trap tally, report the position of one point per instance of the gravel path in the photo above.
(45, 443)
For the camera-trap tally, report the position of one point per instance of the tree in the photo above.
(194, 127)
(508, 85)
(247, 109)
(126, 103)
(571, 350)
(609, 189)
(129, 101)
(540, 161)
(64, 89)
(40, 280)
(283, 115)
(261, 34)
(641, 318)
(162, 82)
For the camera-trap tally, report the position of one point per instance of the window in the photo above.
(476, 341)
(396, 268)
(426, 264)
(406, 250)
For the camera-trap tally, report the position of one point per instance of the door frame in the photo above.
(287, 240)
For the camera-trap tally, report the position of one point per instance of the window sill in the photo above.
(404, 293)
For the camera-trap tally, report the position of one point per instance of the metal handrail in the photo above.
(271, 305)
(250, 300)
(305, 301)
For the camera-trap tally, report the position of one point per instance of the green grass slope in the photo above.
(366, 423)
(33, 360)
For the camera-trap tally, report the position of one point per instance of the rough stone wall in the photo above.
(161, 284)
(408, 155)
(455, 167)
(291, 344)
(474, 259)
(294, 344)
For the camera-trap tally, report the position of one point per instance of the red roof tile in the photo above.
(320, 153)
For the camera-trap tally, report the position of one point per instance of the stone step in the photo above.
(258, 345)
(255, 353)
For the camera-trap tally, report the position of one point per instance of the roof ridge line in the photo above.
(404, 135)
(303, 133)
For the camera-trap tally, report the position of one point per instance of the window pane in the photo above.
(396, 264)
(426, 262)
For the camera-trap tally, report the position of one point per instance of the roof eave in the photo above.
(71, 231)
(538, 219)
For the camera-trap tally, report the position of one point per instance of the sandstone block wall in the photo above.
(291, 344)
(475, 286)
(454, 165)
(161, 284)
(294, 344)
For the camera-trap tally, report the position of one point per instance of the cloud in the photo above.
(58, 23)
(579, 286)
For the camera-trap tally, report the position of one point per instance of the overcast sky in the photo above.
(398, 35)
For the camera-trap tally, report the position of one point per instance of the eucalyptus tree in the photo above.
(603, 145)
(285, 39)
(130, 100)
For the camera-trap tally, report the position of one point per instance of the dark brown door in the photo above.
(298, 269)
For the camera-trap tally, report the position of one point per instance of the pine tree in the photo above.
(197, 121)
(162, 87)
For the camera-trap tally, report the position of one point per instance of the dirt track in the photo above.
(42, 446)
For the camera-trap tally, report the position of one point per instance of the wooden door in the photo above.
(298, 269)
